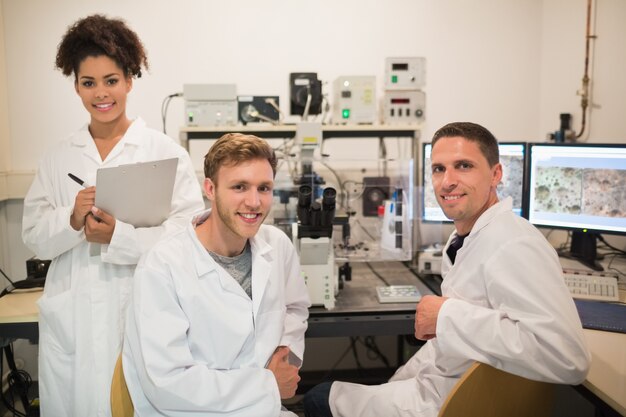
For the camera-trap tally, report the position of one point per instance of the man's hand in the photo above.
(426, 316)
(84, 201)
(99, 226)
(286, 375)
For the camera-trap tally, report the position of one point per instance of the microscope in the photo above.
(312, 237)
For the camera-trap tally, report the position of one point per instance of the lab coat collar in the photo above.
(83, 137)
(484, 219)
(491, 213)
(261, 262)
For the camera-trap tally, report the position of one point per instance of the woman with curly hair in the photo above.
(82, 310)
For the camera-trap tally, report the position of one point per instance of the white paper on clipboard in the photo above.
(139, 194)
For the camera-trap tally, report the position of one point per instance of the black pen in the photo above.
(78, 180)
(85, 185)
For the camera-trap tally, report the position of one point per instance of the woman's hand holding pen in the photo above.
(99, 226)
(84, 201)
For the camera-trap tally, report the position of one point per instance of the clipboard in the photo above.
(139, 194)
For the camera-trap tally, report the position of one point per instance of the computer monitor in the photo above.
(579, 187)
(512, 158)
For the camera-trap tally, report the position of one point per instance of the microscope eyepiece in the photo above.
(304, 204)
(304, 195)
(329, 197)
(328, 206)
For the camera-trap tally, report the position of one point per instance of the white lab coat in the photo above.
(508, 307)
(196, 344)
(82, 310)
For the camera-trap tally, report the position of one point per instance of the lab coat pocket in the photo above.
(56, 321)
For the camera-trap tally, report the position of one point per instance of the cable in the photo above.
(372, 348)
(373, 352)
(355, 354)
(6, 276)
(18, 380)
(376, 273)
(23, 284)
(339, 183)
(357, 221)
(601, 238)
(307, 105)
(334, 366)
(164, 105)
(273, 103)
(326, 105)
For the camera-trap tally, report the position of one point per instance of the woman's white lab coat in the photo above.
(508, 307)
(82, 310)
(196, 344)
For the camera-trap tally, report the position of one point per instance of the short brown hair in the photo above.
(98, 35)
(473, 132)
(234, 148)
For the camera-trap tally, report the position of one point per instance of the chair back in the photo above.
(484, 391)
(121, 403)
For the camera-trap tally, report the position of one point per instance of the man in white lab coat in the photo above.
(504, 299)
(216, 325)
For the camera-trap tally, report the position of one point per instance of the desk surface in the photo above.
(357, 311)
(607, 376)
(19, 315)
(20, 306)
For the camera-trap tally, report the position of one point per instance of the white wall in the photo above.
(562, 67)
(481, 57)
(510, 65)
(5, 154)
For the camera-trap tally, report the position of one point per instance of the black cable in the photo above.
(372, 348)
(334, 366)
(609, 267)
(164, 105)
(24, 284)
(6, 276)
(376, 273)
(355, 354)
(12, 378)
(433, 284)
(623, 253)
(365, 230)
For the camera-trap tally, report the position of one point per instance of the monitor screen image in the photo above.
(512, 158)
(581, 188)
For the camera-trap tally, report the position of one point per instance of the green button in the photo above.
(394, 79)
(345, 113)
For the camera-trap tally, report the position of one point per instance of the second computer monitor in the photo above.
(579, 187)
(512, 158)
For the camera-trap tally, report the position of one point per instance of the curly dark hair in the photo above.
(98, 35)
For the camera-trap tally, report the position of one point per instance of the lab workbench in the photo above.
(357, 311)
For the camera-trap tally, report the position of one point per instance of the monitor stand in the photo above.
(584, 249)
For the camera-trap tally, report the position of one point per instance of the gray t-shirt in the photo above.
(239, 267)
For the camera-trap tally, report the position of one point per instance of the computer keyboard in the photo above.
(591, 286)
(398, 294)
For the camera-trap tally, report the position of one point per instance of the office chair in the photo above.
(121, 403)
(484, 391)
